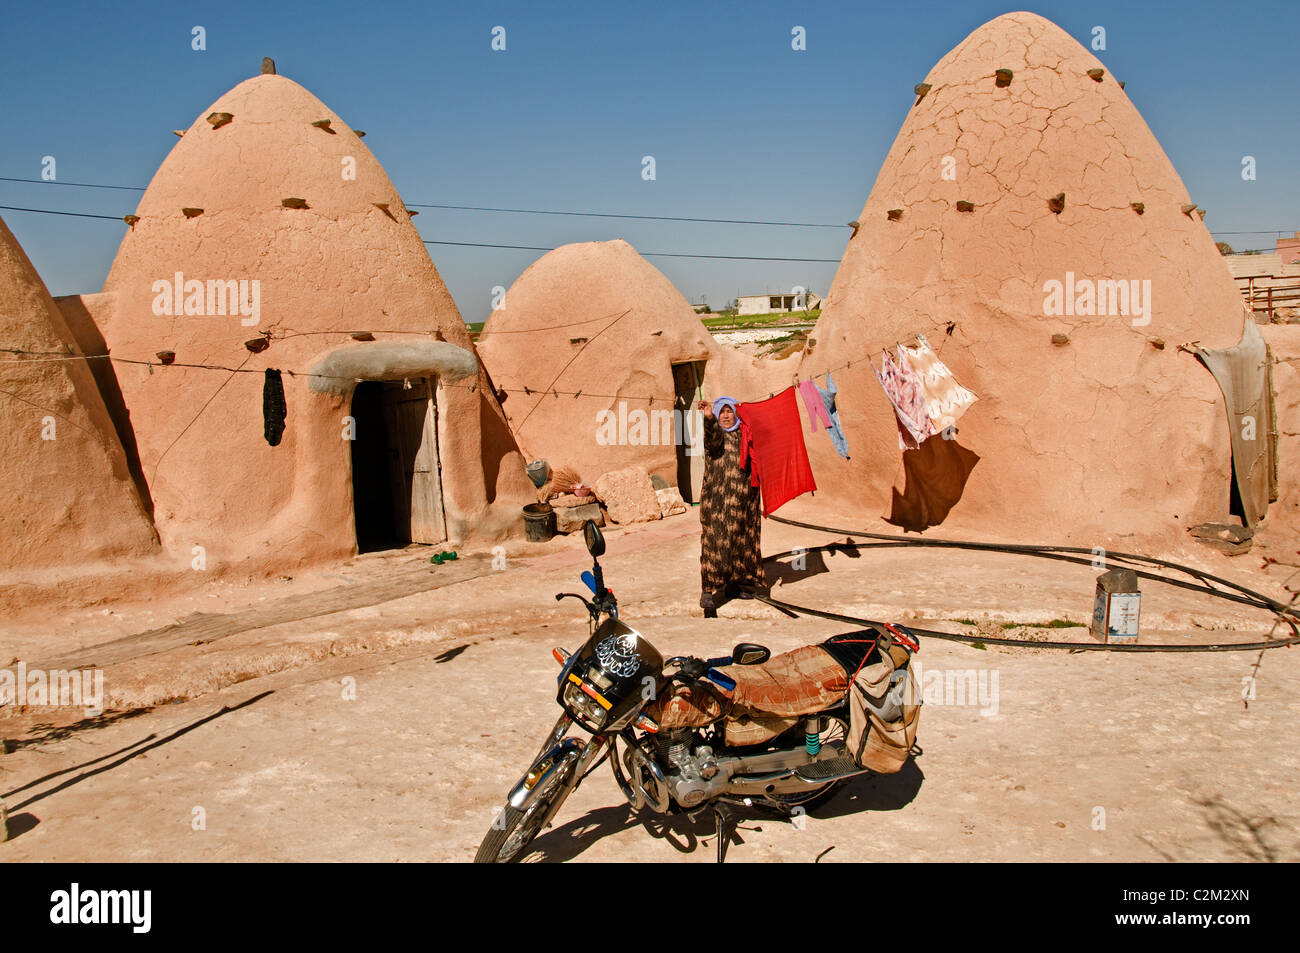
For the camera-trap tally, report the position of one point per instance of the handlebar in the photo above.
(603, 602)
(574, 595)
(694, 670)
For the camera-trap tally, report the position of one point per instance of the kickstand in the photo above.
(726, 824)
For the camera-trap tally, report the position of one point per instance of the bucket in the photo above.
(539, 522)
(538, 471)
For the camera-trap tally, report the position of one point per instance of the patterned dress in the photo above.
(730, 511)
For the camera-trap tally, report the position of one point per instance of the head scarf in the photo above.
(727, 402)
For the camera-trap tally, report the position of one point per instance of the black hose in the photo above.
(1245, 596)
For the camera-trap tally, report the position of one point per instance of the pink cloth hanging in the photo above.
(816, 407)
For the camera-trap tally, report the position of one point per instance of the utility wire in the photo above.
(537, 211)
(647, 254)
(47, 211)
(644, 254)
(487, 208)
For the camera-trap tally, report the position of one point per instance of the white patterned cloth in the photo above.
(945, 399)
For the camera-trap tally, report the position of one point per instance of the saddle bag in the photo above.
(884, 709)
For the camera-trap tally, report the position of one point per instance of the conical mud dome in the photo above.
(68, 492)
(596, 317)
(1022, 177)
(270, 217)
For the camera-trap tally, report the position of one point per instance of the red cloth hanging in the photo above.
(772, 441)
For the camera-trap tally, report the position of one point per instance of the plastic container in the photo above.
(539, 522)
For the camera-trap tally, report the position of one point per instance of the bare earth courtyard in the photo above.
(360, 713)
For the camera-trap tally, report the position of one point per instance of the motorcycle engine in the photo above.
(689, 775)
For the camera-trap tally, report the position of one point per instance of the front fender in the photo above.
(542, 770)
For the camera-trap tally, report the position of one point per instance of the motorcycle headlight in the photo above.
(588, 709)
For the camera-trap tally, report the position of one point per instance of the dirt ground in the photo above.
(380, 710)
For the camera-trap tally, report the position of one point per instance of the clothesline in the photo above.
(58, 356)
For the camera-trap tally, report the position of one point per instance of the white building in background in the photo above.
(777, 303)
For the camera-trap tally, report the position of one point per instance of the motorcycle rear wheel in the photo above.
(514, 830)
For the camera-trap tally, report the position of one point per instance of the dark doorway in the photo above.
(396, 480)
(687, 380)
(372, 490)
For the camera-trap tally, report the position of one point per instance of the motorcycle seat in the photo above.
(767, 698)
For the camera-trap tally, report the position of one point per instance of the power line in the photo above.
(657, 218)
(47, 211)
(427, 241)
(644, 254)
(538, 211)
(488, 208)
(77, 185)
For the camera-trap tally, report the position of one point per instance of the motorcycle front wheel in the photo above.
(513, 830)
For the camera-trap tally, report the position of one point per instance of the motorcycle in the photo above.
(604, 689)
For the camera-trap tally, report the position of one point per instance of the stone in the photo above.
(671, 502)
(568, 500)
(1232, 532)
(1229, 538)
(571, 519)
(628, 495)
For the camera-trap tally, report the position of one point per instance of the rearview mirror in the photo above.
(595, 540)
(747, 653)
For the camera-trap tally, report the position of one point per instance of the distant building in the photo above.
(777, 303)
(1269, 282)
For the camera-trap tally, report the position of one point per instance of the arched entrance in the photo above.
(396, 483)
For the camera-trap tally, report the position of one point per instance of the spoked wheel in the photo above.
(836, 730)
(514, 830)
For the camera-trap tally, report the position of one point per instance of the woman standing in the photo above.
(730, 557)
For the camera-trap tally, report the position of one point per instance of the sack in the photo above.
(884, 711)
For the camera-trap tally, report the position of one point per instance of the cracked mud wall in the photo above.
(1107, 433)
(351, 260)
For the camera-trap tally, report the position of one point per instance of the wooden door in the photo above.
(687, 379)
(411, 415)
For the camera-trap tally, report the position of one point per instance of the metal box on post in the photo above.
(1118, 605)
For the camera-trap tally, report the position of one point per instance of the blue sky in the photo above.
(740, 125)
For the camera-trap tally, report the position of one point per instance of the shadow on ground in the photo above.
(861, 795)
